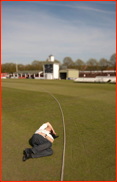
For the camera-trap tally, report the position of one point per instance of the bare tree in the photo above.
(92, 64)
(79, 63)
(37, 65)
(21, 67)
(67, 61)
(35, 62)
(113, 60)
(8, 68)
(103, 64)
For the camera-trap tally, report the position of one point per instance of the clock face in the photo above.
(48, 68)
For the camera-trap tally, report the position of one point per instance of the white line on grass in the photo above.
(63, 162)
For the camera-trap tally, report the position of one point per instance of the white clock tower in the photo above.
(51, 68)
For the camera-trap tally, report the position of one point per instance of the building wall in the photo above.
(72, 74)
(51, 58)
(4, 75)
(49, 76)
(55, 71)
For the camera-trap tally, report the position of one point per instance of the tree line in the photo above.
(90, 65)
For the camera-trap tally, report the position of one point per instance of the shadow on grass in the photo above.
(30, 143)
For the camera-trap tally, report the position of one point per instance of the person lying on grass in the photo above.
(42, 142)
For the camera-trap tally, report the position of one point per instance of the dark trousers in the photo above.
(41, 146)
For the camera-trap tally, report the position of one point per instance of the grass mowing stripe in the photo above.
(64, 139)
(90, 120)
(21, 125)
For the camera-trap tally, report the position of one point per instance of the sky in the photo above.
(33, 30)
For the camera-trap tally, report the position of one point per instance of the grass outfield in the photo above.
(90, 121)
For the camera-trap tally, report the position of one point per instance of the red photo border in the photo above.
(0, 78)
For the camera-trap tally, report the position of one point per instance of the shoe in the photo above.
(28, 152)
(24, 158)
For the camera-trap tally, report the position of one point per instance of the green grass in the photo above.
(90, 122)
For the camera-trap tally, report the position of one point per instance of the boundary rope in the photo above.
(63, 161)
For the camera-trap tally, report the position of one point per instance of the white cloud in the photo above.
(75, 6)
(35, 35)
